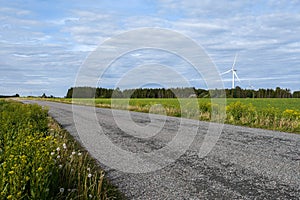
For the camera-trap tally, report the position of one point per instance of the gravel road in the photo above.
(245, 163)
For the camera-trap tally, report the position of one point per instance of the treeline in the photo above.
(90, 92)
(8, 96)
(261, 93)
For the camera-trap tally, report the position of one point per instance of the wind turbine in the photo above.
(251, 87)
(233, 71)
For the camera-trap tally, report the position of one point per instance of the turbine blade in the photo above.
(235, 74)
(234, 61)
(226, 72)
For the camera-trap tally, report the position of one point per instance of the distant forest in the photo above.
(8, 96)
(90, 92)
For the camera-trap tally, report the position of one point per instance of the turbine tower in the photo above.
(233, 71)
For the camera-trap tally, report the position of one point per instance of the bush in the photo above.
(238, 113)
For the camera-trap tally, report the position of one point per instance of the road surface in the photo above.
(245, 163)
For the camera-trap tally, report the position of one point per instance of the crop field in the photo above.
(274, 114)
(38, 160)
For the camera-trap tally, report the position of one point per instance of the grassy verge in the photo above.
(39, 160)
(273, 114)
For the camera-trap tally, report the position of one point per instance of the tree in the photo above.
(296, 94)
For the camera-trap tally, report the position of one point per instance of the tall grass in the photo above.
(38, 160)
(268, 117)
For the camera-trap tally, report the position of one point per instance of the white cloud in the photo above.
(265, 35)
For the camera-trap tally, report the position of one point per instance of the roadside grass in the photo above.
(273, 114)
(39, 160)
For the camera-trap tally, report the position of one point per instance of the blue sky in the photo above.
(44, 43)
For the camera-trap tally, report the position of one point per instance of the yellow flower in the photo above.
(39, 169)
(19, 194)
(11, 172)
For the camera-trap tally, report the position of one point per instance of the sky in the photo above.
(44, 43)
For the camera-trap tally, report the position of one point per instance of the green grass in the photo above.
(281, 104)
(273, 114)
(39, 160)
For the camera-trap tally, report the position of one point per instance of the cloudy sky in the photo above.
(44, 43)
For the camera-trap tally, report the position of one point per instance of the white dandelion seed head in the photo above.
(89, 175)
(61, 190)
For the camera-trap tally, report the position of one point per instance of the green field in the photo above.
(279, 103)
(275, 114)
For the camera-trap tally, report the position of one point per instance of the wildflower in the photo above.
(88, 169)
(60, 166)
(79, 153)
(39, 169)
(61, 190)
(73, 153)
(89, 175)
(57, 149)
(11, 172)
(91, 196)
(52, 153)
(64, 145)
(58, 157)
